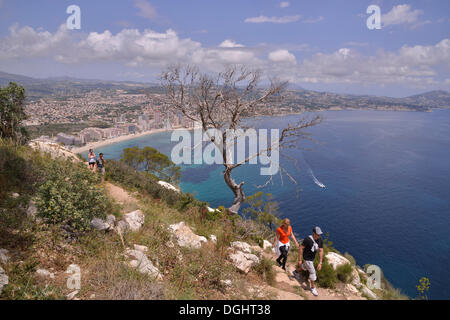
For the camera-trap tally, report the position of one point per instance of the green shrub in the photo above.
(265, 271)
(326, 278)
(70, 195)
(344, 272)
(350, 258)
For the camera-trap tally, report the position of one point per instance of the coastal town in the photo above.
(77, 113)
(123, 115)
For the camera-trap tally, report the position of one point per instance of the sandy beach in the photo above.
(99, 144)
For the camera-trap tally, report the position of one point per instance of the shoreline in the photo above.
(103, 143)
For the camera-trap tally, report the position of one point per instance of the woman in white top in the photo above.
(92, 160)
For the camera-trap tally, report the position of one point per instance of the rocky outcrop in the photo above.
(369, 293)
(54, 149)
(131, 221)
(241, 246)
(104, 225)
(140, 261)
(45, 273)
(267, 245)
(168, 186)
(336, 260)
(3, 279)
(4, 258)
(243, 261)
(32, 210)
(185, 237)
(242, 257)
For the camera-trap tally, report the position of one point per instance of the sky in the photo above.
(318, 45)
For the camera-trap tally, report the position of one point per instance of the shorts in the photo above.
(309, 266)
(101, 170)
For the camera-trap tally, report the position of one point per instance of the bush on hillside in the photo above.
(127, 176)
(344, 272)
(71, 196)
(265, 271)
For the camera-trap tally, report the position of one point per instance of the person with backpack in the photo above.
(282, 244)
(101, 166)
(307, 253)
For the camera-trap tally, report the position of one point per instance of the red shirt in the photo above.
(284, 236)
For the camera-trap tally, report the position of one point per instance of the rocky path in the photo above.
(287, 285)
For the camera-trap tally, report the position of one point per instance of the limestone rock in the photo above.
(45, 273)
(244, 261)
(241, 246)
(368, 292)
(131, 221)
(227, 283)
(3, 279)
(135, 220)
(101, 225)
(4, 258)
(168, 186)
(32, 210)
(140, 248)
(356, 281)
(71, 296)
(351, 288)
(143, 264)
(336, 260)
(266, 244)
(185, 237)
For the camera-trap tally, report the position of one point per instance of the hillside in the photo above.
(134, 238)
(297, 98)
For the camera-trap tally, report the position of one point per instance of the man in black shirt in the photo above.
(307, 252)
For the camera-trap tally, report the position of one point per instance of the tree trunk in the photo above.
(239, 196)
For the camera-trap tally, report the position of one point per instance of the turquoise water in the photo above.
(387, 198)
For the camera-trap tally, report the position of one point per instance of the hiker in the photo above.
(101, 166)
(307, 252)
(282, 243)
(92, 160)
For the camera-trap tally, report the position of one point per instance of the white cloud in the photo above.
(284, 4)
(230, 44)
(401, 14)
(146, 9)
(150, 50)
(264, 19)
(417, 65)
(312, 20)
(282, 56)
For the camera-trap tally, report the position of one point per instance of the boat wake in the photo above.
(317, 182)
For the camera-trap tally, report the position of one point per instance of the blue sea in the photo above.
(387, 195)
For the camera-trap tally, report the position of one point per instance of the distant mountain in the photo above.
(298, 97)
(6, 78)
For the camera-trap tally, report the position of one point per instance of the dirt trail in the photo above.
(121, 196)
(287, 286)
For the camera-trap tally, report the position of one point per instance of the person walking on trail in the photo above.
(92, 160)
(281, 242)
(307, 252)
(101, 166)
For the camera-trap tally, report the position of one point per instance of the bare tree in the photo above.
(221, 102)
